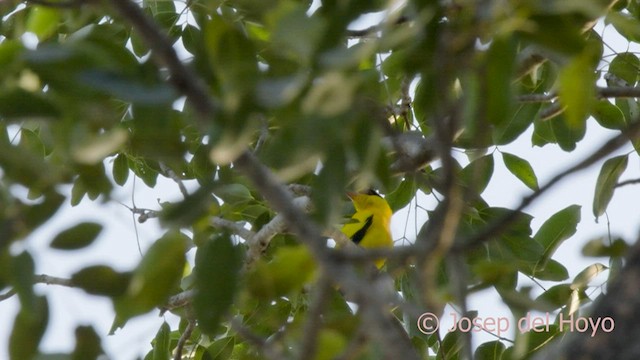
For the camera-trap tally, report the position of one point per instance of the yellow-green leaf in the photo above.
(521, 169)
(606, 183)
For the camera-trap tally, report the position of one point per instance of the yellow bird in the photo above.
(370, 225)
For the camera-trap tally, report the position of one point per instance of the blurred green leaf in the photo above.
(555, 230)
(77, 237)
(120, 169)
(500, 63)
(290, 269)
(233, 59)
(602, 247)
(625, 24)
(577, 89)
(21, 276)
(155, 278)
(28, 329)
(43, 21)
(218, 263)
(521, 169)
(88, 345)
(101, 280)
(606, 183)
(20, 104)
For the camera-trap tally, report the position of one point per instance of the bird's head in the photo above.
(368, 201)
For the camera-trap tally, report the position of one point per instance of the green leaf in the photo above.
(77, 237)
(557, 296)
(217, 269)
(553, 271)
(43, 21)
(88, 345)
(452, 345)
(577, 89)
(608, 115)
(290, 269)
(127, 88)
(498, 78)
(94, 149)
(222, 348)
(154, 279)
(625, 66)
(521, 169)
(21, 273)
(402, 195)
(120, 169)
(28, 329)
(233, 59)
(101, 280)
(478, 173)
(21, 104)
(606, 183)
(585, 276)
(161, 350)
(520, 120)
(601, 246)
(558, 228)
(491, 350)
(625, 24)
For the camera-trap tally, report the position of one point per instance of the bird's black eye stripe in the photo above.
(359, 235)
(373, 192)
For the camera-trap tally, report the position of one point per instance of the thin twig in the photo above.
(191, 325)
(628, 182)
(178, 300)
(42, 279)
(168, 172)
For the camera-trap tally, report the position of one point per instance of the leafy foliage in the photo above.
(93, 95)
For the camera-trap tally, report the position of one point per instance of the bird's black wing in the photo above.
(359, 235)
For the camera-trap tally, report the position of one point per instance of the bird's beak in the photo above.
(351, 195)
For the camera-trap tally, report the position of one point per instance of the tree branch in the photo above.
(182, 77)
(499, 226)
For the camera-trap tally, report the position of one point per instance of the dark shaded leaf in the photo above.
(101, 280)
(28, 329)
(77, 237)
(217, 265)
(88, 345)
(558, 228)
